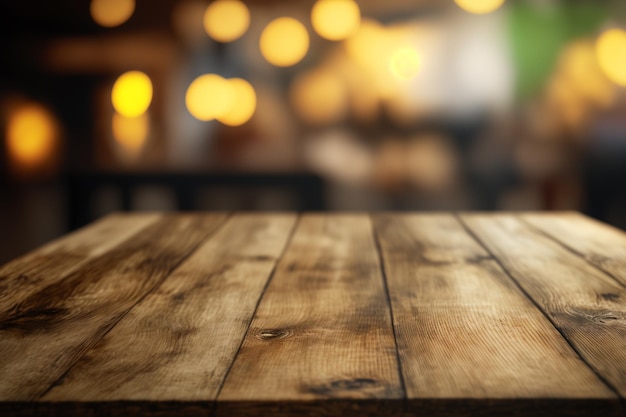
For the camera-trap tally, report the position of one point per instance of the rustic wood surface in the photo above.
(583, 302)
(323, 328)
(279, 314)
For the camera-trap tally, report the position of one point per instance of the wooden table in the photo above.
(318, 314)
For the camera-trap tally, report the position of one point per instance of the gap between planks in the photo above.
(569, 248)
(96, 340)
(383, 273)
(464, 329)
(256, 307)
(327, 359)
(539, 307)
(209, 299)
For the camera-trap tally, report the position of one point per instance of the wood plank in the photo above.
(54, 326)
(57, 259)
(178, 343)
(585, 304)
(600, 244)
(323, 327)
(464, 329)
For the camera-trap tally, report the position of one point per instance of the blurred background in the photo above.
(112, 105)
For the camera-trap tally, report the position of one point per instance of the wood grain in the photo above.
(323, 328)
(464, 330)
(584, 303)
(54, 326)
(54, 261)
(263, 314)
(598, 243)
(178, 343)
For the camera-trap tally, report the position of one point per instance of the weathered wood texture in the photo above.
(52, 262)
(323, 328)
(54, 326)
(321, 315)
(447, 291)
(584, 303)
(178, 343)
(600, 244)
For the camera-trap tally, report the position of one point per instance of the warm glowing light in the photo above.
(131, 132)
(226, 20)
(405, 63)
(110, 13)
(132, 94)
(479, 6)
(335, 19)
(579, 68)
(319, 97)
(244, 103)
(372, 48)
(611, 53)
(567, 103)
(31, 135)
(284, 42)
(364, 46)
(209, 97)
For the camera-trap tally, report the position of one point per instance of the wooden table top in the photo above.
(279, 314)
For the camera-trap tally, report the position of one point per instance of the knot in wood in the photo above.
(610, 296)
(337, 386)
(353, 384)
(271, 334)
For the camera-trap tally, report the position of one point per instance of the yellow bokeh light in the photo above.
(131, 132)
(132, 93)
(226, 20)
(244, 103)
(284, 42)
(579, 67)
(372, 49)
(368, 44)
(209, 97)
(110, 13)
(479, 6)
(31, 135)
(335, 19)
(405, 63)
(319, 97)
(611, 54)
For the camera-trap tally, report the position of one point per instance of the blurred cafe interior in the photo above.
(109, 105)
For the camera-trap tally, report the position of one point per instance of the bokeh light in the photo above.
(226, 20)
(131, 132)
(372, 48)
(364, 46)
(132, 93)
(111, 13)
(244, 103)
(611, 53)
(32, 135)
(209, 97)
(319, 97)
(284, 42)
(335, 19)
(405, 63)
(579, 68)
(479, 6)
